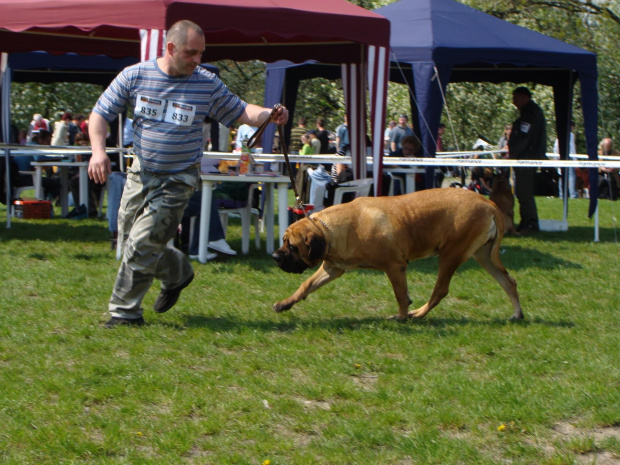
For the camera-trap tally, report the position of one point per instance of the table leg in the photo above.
(282, 210)
(269, 216)
(205, 215)
(64, 190)
(84, 187)
(410, 183)
(38, 183)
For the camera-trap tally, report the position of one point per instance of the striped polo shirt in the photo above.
(168, 112)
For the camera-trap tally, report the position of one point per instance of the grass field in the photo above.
(222, 379)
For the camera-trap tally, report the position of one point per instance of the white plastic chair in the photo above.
(248, 216)
(360, 187)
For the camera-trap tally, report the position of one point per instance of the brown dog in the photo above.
(384, 233)
(502, 196)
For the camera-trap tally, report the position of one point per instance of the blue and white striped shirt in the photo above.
(169, 112)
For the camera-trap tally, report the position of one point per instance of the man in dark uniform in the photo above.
(527, 141)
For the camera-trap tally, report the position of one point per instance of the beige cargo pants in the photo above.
(150, 212)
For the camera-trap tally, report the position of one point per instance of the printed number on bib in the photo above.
(149, 107)
(180, 113)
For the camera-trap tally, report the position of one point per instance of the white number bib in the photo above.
(180, 113)
(149, 107)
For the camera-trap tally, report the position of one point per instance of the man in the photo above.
(527, 142)
(343, 144)
(171, 96)
(399, 132)
(296, 145)
(322, 135)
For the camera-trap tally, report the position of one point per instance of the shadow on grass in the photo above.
(437, 325)
(57, 230)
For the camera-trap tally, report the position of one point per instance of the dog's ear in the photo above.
(316, 246)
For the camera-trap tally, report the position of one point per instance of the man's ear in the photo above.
(316, 246)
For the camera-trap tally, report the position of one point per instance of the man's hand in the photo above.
(281, 116)
(99, 167)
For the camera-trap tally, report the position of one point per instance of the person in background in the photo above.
(306, 146)
(409, 148)
(315, 143)
(387, 135)
(170, 95)
(572, 174)
(244, 132)
(399, 132)
(342, 136)
(61, 131)
(609, 178)
(323, 136)
(296, 134)
(440, 130)
(527, 141)
(37, 124)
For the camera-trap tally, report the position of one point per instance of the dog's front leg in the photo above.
(321, 277)
(397, 275)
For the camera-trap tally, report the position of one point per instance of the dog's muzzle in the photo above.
(287, 263)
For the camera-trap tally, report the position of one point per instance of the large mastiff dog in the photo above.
(385, 233)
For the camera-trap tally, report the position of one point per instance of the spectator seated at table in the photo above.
(409, 148)
(217, 239)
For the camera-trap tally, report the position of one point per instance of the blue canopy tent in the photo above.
(434, 42)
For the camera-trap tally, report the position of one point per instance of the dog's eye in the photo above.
(292, 248)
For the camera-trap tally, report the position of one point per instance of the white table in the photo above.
(64, 181)
(409, 173)
(268, 181)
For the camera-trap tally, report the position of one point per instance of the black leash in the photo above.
(254, 139)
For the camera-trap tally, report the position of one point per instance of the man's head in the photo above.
(521, 96)
(607, 145)
(185, 44)
(409, 145)
(301, 121)
(402, 120)
(320, 123)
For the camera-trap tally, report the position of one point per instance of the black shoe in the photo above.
(116, 321)
(166, 299)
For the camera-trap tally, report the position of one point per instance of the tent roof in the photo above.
(235, 29)
(448, 32)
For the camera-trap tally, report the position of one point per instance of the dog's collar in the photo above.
(320, 221)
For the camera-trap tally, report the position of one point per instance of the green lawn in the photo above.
(222, 379)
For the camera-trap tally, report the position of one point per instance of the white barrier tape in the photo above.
(503, 162)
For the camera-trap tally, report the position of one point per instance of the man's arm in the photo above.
(99, 167)
(255, 115)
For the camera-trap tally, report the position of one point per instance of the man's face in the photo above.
(187, 57)
(402, 121)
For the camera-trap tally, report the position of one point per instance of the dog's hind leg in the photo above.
(397, 274)
(321, 277)
(488, 257)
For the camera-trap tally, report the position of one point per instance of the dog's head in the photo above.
(303, 247)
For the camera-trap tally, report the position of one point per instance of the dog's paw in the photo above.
(281, 306)
(398, 318)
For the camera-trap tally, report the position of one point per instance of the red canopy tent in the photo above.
(330, 31)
